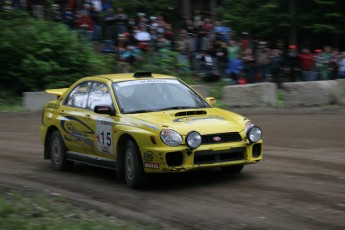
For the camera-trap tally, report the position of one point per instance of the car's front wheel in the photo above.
(133, 170)
(57, 151)
(233, 169)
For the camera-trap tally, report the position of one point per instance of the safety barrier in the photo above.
(294, 94)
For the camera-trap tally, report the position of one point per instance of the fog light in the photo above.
(254, 134)
(193, 140)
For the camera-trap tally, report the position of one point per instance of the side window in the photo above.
(78, 96)
(99, 95)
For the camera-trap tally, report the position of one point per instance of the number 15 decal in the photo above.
(104, 135)
(106, 138)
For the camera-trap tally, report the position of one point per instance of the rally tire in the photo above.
(133, 166)
(57, 152)
(233, 169)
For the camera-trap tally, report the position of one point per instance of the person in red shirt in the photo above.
(306, 64)
(85, 25)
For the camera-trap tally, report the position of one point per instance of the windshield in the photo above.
(139, 96)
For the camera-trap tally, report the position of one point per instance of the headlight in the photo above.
(254, 134)
(193, 140)
(171, 137)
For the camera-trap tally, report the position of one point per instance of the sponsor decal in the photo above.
(77, 135)
(151, 165)
(148, 156)
(148, 81)
(53, 106)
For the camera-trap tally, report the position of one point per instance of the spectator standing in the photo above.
(326, 58)
(72, 5)
(205, 41)
(106, 4)
(143, 38)
(121, 21)
(38, 8)
(95, 14)
(263, 60)
(85, 25)
(222, 31)
(233, 50)
(169, 35)
(221, 54)
(234, 69)
(97, 5)
(109, 24)
(291, 62)
(189, 26)
(197, 18)
(249, 64)
(333, 65)
(245, 41)
(317, 64)
(192, 50)
(181, 47)
(306, 60)
(69, 17)
(276, 66)
(341, 64)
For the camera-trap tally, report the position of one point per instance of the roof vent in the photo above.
(142, 74)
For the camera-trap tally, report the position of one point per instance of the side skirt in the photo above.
(91, 160)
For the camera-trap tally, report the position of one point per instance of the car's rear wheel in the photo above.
(57, 151)
(233, 169)
(133, 170)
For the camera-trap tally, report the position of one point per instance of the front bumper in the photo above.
(180, 159)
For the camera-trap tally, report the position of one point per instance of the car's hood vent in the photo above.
(190, 113)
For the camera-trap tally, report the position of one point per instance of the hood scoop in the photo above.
(190, 113)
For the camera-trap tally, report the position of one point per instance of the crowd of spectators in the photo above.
(206, 48)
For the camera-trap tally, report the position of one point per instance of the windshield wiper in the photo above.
(179, 107)
(140, 111)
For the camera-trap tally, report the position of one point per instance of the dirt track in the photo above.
(299, 185)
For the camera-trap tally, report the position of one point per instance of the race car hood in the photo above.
(204, 121)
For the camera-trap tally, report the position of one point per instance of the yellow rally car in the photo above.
(144, 123)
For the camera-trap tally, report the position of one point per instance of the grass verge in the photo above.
(31, 211)
(14, 104)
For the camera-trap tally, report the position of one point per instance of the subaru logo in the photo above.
(216, 138)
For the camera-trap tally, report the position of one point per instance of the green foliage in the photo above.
(10, 102)
(153, 7)
(318, 20)
(31, 211)
(162, 62)
(37, 54)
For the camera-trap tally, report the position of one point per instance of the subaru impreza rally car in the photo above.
(143, 123)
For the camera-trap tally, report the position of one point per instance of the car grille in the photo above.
(209, 156)
(220, 138)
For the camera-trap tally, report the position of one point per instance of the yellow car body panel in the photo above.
(99, 136)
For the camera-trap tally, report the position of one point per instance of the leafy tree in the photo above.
(310, 22)
(36, 54)
(153, 7)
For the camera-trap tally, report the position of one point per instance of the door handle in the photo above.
(87, 116)
(62, 111)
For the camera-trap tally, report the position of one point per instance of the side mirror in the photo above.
(104, 109)
(211, 100)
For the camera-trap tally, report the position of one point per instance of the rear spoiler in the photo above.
(57, 92)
